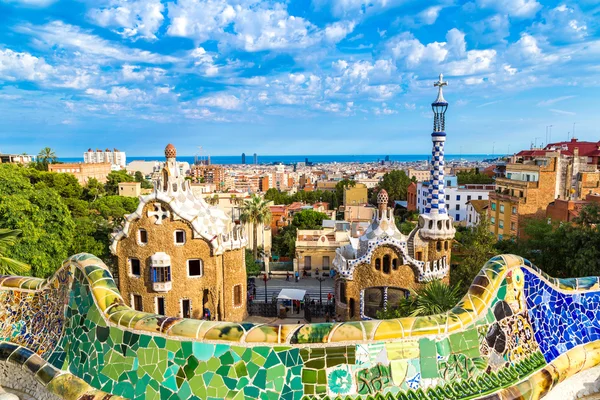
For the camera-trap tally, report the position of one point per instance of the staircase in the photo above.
(410, 243)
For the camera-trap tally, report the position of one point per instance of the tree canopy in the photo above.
(114, 178)
(395, 184)
(56, 216)
(284, 244)
(473, 177)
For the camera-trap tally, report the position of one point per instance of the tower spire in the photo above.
(436, 223)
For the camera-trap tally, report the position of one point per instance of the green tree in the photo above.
(8, 266)
(475, 246)
(114, 208)
(40, 213)
(588, 215)
(395, 184)
(253, 268)
(93, 189)
(255, 211)
(284, 244)
(434, 298)
(114, 178)
(473, 177)
(46, 156)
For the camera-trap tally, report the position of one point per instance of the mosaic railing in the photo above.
(516, 334)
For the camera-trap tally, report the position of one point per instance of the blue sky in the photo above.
(295, 77)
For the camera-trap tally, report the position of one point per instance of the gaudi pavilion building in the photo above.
(177, 256)
(376, 270)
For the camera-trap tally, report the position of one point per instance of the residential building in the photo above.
(561, 210)
(209, 173)
(328, 186)
(116, 158)
(315, 249)
(355, 195)
(363, 213)
(419, 174)
(83, 172)
(279, 218)
(411, 197)
(179, 257)
(16, 159)
(535, 178)
(377, 270)
(456, 196)
(130, 189)
(475, 209)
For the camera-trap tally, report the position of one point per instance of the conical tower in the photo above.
(435, 223)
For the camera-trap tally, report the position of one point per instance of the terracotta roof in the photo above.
(567, 148)
(478, 205)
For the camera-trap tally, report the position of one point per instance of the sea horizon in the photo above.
(315, 159)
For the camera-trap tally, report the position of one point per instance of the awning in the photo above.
(291, 294)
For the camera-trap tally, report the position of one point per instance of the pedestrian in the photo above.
(329, 296)
(297, 274)
(287, 276)
(327, 317)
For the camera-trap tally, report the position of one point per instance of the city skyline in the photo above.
(331, 78)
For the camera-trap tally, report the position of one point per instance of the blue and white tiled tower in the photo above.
(436, 224)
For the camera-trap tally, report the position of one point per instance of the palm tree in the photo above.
(47, 156)
(255, 211)
(434, 298)
(8, 266)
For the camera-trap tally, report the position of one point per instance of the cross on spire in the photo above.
(440, 84)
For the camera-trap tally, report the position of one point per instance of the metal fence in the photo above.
(318, 310)
(262, 309)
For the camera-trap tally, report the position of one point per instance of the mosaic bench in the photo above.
(515, 335)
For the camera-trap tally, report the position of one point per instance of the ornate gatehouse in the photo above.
(376, 270)
(177, 256)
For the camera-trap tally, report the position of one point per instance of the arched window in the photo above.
(378, 264)
(446, 245)
(395, 264)
(386, 264)
(438, 245)
(352, 305)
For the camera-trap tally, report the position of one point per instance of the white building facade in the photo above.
(456, 196)
(114, 157)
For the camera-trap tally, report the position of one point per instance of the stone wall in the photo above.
(13, 379)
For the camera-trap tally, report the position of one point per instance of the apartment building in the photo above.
(83, 172)
(209, 174)
(315, 249)
(355, 195)
(456, 196)
(16, 158)
(116, 158)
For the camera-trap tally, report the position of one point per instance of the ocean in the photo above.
(315, 159)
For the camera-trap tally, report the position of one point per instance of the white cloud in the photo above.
(199, 19)
(338, 30)
(563, 23)
(15, 66)
(554, 101)
(136, 18)
(491, 30)
(119, 94)
(527, 51)
(70, 37)
(409, 49)
(250, 25)
(477, 61)
(514, 8)
(429, 15)
(136, 73)
(31, 3)
(224, 101)
(562, 112)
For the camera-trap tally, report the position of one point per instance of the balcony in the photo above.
(162, 286)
